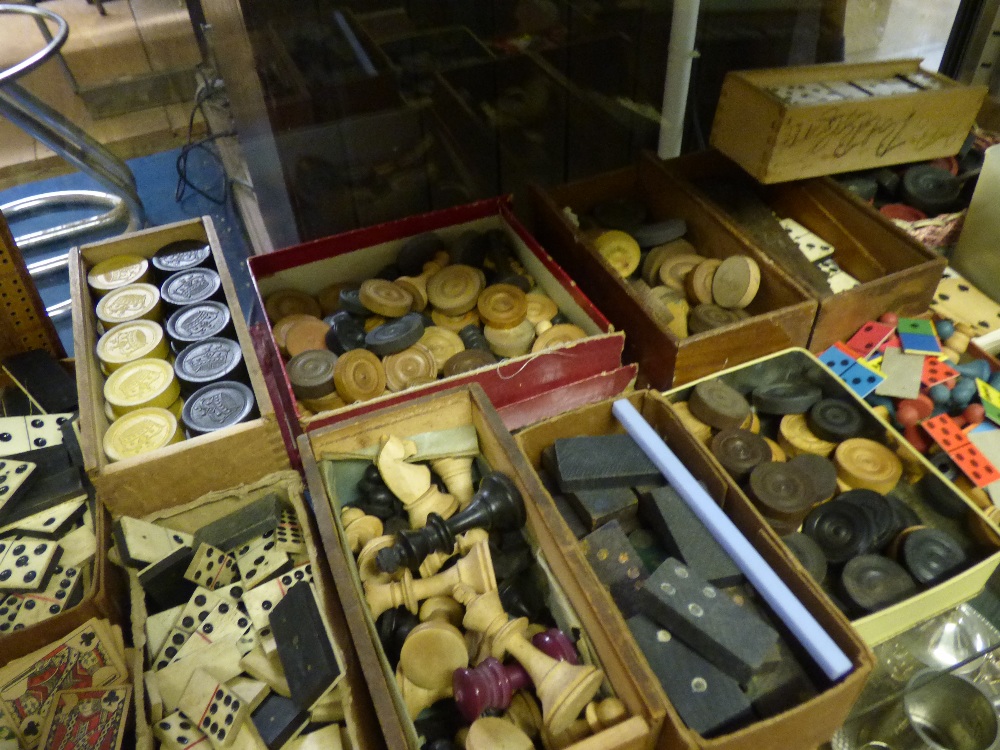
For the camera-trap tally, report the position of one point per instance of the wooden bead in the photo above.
(413, 366)
(620, 250)
(454, 290)
(511, 342)
(442, 344)
(502, 306)
(285, 302)
(305, 335)
(455, 322)
(540, 307)
(557, 336)
(358, 376)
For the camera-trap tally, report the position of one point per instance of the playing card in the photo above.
(88, 719)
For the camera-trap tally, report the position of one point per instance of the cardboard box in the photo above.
(896, 272)
(103, 597)
(248, 450)
(189, 514)
(360, 254)
(804, 726)
(880, 626)
(781, 314)
(776, 141)
(331, 484)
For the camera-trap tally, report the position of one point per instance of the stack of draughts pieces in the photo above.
(861, 89)
(820, 253)
(47, 528)
(237, 650)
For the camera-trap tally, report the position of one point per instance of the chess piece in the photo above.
(555, 643)
(436, 560)
(443, 609)
(490, 685)
(563, 688)
(475, 570)
(492, 732)
(432, 652)
(498, 506)
(368, 569)
(359, 528)
(416, 698)
(597, 716)
(524, 713)
(456, 471)
(392, 628)
(417, 285)
(411, 483)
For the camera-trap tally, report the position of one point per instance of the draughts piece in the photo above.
(838, 358)
(902, 374)
(990, 398)
(260, 601)
(45, 430)
(979, 469)
(141, 543)
(869, 337)
(217, 711)
(51, 523)
(945, 432)
(886, 86)
(260, 560)
(937, 371)
(289, 533)
(13, 436)
(178, 732)
(310, 665)
(861, 378)
(27, 563)
(814, 247)
(16, 477)
(211, 568)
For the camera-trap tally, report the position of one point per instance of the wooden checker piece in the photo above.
(781, 491)
(415, 365)
(473, 338)
(541, 307)
(455, 322)
(794, 397)
(834, 420)
(883, 519)
(396, 335)
(698, 283)
(795, 437)
(675, 268)
(659, 233)
(455, 289)
(736, 281)
(692, 424)
(329, 296)
(305, 334)
(731, 637)
(510, 342)
(718, 405)
(359, 376)
(557, 336)
(283, 326)
(350, 301)
(311, 373)
(808, 553)
(467, 361)
(442, 344)
(655, 257)
(620, 250)
(285, 302)
(841, 530)
(864, 463)
(821, 472)
(873, 582)
(739, 451)
(385, 298)
(502, 306)
(931, 556)
(346, 333)
(708, 317)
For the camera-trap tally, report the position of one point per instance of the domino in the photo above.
(224, 624)
(47, 384)
(164, 580)
(242, 526)
(78, 546)
(251, 691)
(177, 732)
(217, 711)
(211, 568)
(221, 660)
(158, 627)
(289, 534)
(260, 601)
(45, 430)
(260, 560)
(13, 436)
(141, 543)
(9, 607)
(51, 523)
(27, 563)
(307, 657)
(16, 477)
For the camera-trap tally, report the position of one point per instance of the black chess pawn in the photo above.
(392, 627)
(497, 506)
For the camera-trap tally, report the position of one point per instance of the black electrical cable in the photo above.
(205, 92)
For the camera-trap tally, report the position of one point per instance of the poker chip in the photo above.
(140, 432)
(786, 398)
(396, 335)
(834, 420)
(698, 283)
(707, 317)
(305, 334)
(385, 298)
(739, 451)
(191, 286)
(931, 555)
(358, 375)
(141, 383)
(455, 289)
(821, 472)
(808, 553)
(285, 302)
(557, 336)
(217, 406)
(620, 250)
(126, 303)
(867, 464)
(795, 437)
(415, 365)
(442, 344)
(718, 405)
(311, 373)
(127, 342)
(736, 282)
(470, 359)
(207, 361)
(840, 529)
(200, 321)
(502, 306)
(345, 333)
(117, 271)
(781, 491)
(874, 582)
(180, 256)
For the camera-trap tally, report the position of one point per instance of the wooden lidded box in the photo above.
(896, 272)
(248, 450)
(781, 315)
(808, 724)
(360, 254)
(332, 484)
(791, 123)
(912, 490)
(190, 514)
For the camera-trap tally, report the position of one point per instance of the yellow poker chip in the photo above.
(141, 431)
(127, 342)
(126, 303)
(620, 250)
(116, 272)
(140, 384)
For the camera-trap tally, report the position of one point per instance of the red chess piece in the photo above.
(491, 685)
(555, 643)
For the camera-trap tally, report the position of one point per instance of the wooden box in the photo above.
(887, 623)
(248, 450)
(286, 95)
(189, 514)
(103, 598)
(781, 314)
(360, 254)
(804, 726)
(776, 141)
(332, 483)
(896, 272)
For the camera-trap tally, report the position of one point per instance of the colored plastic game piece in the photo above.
(869, 337)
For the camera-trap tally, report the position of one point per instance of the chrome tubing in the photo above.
(54, 44)
(59, 310)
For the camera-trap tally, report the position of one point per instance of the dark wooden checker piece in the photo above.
(311, 373)
(707, 700)
(842, 530)
(808, 553)
(718, 405)
(834, 420)
(939, 496)
(681, 534)
(731, 637)
(395, 336)
(417, 251)
(346, 332)
(596, 507)
(467, 361)
(873, 582)
(708, 316)
(740, 451)
(599, 462)
(782, 491)
(932, 555)
(350, 301)
(878, 510)
(617, 565)
(822, 474)
(659, 233)
(304, 649)
(795, 397)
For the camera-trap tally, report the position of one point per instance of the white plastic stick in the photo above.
(828, 655)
